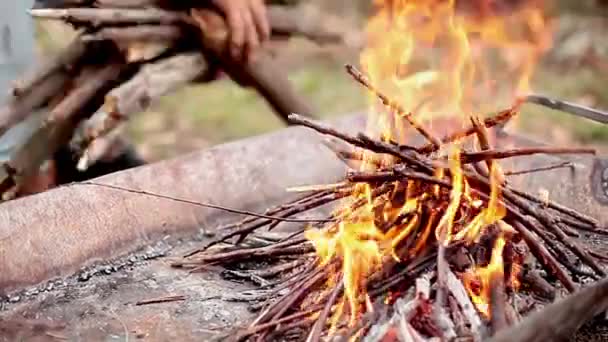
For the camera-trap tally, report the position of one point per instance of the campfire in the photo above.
(430, 240)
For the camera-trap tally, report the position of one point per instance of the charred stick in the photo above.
(578, 225)
(168, 299)
(558, 207)
(243, 231)
(325, 129)
(490, 122)
(361, 140)
(392, 105)
(261, 327)
(275, 335)
(348, 155)
(569, 231)
(543, 256)
(538, 285)
(498, 302)
(539, 169)
(484, 144)
(552, 225)
(138, 33)
(474, 157)
(459, 293)
(278, 269)
(373, 177)
(412, 271)
(277, 310)
(276, 249)
(315, 333)
(194, 203)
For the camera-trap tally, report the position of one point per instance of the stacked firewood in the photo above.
(456, 251)
(128, 54)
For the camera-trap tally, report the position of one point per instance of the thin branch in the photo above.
(199, 204)
(562, 165)
(392, 105)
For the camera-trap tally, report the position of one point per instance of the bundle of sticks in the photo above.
(128, 54)
(430, 242)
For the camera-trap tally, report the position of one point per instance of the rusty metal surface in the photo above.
(98, 303)
(56, 234)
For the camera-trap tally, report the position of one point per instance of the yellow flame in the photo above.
(436, 61)
(480, 294)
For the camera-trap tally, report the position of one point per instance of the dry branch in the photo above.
(149, 84)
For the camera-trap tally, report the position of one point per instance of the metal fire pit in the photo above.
(81, 257)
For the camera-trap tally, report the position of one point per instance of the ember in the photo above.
(430, 240)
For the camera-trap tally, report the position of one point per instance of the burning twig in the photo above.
(474, 157)
(561, 165)
(529, 222)
(393, 106)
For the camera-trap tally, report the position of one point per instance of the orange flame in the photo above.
(435, 59)
(478, 280)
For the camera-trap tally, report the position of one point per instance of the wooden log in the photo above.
(65, 60)
(17, 109)
(50, 137)
(312, 23)
(90, 85)
(150, 83)
(560, 320)
(258, 71)
(454, 285)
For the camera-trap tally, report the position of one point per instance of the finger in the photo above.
(260, 17)
(237, 32)
(253, 41)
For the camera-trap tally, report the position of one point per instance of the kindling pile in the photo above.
(429, 241)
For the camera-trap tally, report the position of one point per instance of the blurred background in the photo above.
(198, 116)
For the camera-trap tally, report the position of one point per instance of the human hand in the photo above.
(248, 24)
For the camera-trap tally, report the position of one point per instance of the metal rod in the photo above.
(567, 107)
